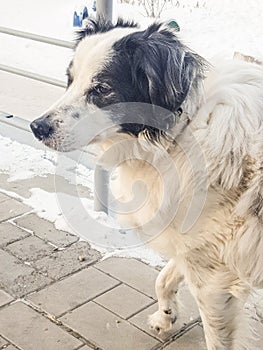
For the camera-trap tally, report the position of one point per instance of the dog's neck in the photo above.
(194, 99)
(186, 113)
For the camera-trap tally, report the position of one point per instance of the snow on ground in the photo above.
(19, 162)
(68, 212)
(215, 27)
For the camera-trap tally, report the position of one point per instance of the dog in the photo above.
(191, 132)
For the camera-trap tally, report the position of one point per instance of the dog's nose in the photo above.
(41, 128)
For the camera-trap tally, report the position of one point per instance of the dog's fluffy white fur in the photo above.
(203, 208)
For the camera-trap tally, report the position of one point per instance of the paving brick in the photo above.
(46, 230)
(11, 186)
(135, 273)
(188, 311)
(30, 330)
(4, 298)
(107, 330)
(46, 183)
(52, 183)
(141, 319)
(65, 262)
(124, 301)
(3, 197)
(3, 342)
(19, 279)
(72, 291)
(30, 248)
(12, 208)
(49, 183)
(10, 347)
(10, 233)
(193, 339)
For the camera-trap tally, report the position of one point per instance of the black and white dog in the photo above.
(192, 133)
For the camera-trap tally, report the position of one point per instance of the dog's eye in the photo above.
(102, 89)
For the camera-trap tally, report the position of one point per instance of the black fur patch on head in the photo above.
(152, 67)
(101, 25)
(162, 68)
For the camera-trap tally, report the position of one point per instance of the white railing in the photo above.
(36, 37)
(39, 38)
(31, 75)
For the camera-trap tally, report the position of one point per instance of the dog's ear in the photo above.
(163, 69)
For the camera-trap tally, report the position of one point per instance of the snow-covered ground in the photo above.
(69, 212)
(215, 27)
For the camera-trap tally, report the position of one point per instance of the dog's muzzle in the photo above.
(42, 128)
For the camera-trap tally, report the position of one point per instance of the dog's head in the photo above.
(116, 66)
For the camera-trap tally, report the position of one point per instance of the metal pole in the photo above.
(101, 189)
(104, 9)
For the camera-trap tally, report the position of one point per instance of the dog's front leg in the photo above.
(220, 295)
(166, 288)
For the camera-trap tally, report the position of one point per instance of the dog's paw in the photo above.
(161, 322)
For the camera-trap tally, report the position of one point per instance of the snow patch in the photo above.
(95, 227)
(67, 212)
(22, 162)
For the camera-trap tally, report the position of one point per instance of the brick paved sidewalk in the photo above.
(57, 294)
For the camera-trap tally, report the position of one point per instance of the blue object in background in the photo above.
(81, 12)
(85, 13)
(76, 20)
